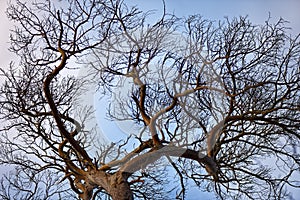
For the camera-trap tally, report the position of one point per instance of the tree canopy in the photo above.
(210, 104)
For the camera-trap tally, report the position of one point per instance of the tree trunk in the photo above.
(115, 184)
(119, 187)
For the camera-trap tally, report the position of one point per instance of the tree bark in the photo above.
(116, 185)
(119, 187)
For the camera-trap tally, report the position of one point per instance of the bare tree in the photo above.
(216, 104)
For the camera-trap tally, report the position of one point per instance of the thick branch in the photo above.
(143, 160)
(142, 147)
(55, 111)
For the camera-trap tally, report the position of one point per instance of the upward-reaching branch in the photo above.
(55, 112)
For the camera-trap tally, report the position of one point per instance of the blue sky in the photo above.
(257, 11)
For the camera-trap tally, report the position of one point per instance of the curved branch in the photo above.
(143, 160)
(55, 111)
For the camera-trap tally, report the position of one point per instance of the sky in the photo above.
(5, 56)
(256, 10)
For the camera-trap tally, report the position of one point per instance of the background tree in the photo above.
(217, 104)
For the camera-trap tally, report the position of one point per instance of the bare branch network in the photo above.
(216, 105)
